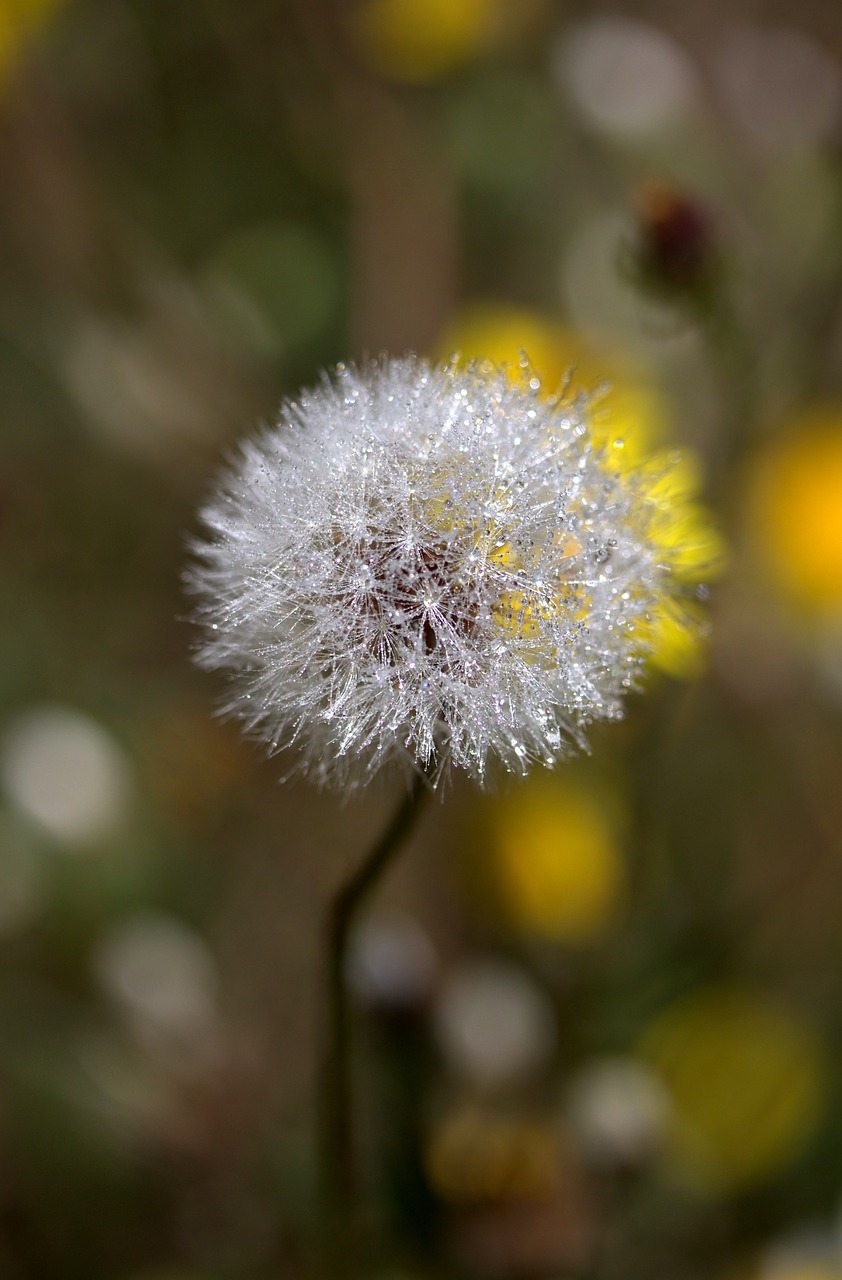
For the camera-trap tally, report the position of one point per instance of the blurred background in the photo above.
(600, 1012)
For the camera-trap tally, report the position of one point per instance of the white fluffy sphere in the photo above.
(431, 566)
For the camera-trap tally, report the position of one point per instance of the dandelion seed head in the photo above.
(429, 566)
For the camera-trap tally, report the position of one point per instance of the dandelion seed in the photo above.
(430, 566)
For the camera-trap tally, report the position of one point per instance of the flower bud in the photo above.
(676, 253)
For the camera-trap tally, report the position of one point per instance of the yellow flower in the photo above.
(747, 1082)
(626, 403)
(415, 41)
(696, 552)
(556, 862)
(19, 21)
(630, 419)
(412, 41)
(474, 1155)
(679, 644)
(795, 513)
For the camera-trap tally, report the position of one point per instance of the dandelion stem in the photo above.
(338, 1155)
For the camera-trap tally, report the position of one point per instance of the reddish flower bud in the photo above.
(676, 248)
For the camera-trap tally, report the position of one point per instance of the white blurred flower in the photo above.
(392, 963)
(493, 1023)
(618, 1109)
(428, 566)
(627, 78)
(66, 773)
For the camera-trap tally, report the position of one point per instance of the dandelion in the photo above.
(433, 567)
(428, 567)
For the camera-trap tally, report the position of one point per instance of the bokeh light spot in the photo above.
(412, 41)
(794, 512)
(746, 1078)
(618, 1109)
(626, 78)
(66, 773)
(557, 863)
(474, 1155)
(493, 1024)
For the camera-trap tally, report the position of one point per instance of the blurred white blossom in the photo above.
(618, 1109)
(66, 773)
(493, 1023)
(627, 79)
(392, 963)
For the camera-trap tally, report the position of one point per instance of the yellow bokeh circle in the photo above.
(412, 41)
(795, 512)
(747, 1083)
(20, 20)
(474, 1155)
(556, 859)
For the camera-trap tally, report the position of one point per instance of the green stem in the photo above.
(338, 1155)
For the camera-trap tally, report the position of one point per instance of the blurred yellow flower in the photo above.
(475, 1155)
(696, 551)
(19, 20)
(631, 419)
(627, 405)
(556, 861)
(679, 645)
(416, 40)
(747, 1083)
(795, 512)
